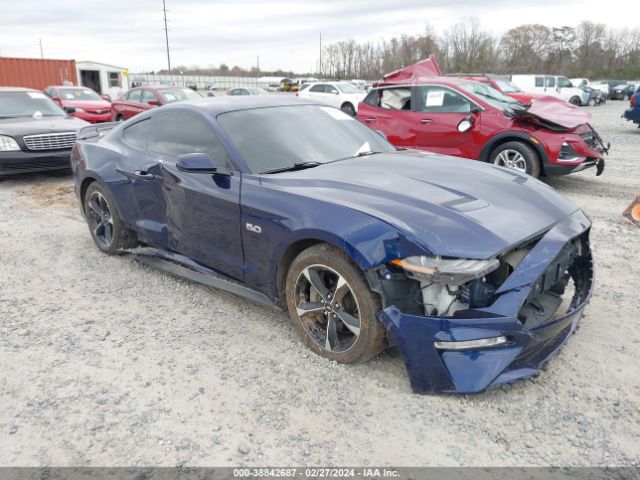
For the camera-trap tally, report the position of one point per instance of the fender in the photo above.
(514, 135)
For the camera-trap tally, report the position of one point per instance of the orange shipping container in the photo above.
(36, 73)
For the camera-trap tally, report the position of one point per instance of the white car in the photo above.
(603, 87)
(341, 95)
(552, 85)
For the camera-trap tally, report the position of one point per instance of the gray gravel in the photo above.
(108, 362)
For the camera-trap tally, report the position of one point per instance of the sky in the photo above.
(283, 34)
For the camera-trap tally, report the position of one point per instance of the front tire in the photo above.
(575, 101)
(107, 229)
(348, 109)
(517, 156)
(332, 308)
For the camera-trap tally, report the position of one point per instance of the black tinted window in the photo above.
(317, 89)
(178, 133)
(539, 82)
(136, 134)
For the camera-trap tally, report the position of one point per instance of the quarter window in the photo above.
(136, 134)
(179, 133)
(539, 81)
(318, 88)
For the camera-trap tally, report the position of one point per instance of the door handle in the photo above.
(138, 175)
(371, 120)
(426, 120)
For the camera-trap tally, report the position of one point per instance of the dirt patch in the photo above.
(48, 194)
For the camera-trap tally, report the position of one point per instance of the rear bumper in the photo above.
(526, 350)
(27, 162)
(559, 169)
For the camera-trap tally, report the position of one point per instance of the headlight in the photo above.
(8, 144)
(80, 110)
(450, 271)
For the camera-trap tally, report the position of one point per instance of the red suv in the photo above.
(81, 102)
(502, 84)
(140, 99)
(464, 118)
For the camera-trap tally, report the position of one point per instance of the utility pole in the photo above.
(320, 61)
(41, 52)
(166, 34)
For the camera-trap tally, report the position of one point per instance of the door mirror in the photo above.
(153, 102)
(106, 97)
(465, 125)
(199, 163)
(69, 110)
(55, 98)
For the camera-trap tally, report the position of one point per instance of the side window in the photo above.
(178, 133)
(331, 89)
(563, 82)
(442, 100)
(134, 96)
(136, 134)
(550, 82)
(539, 81)
(318, 88)
(390, 98)
(147, 95)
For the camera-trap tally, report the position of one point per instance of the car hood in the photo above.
(19, 127)
(552, 113)
(90, 104)
(447, 206)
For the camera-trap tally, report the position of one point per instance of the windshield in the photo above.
(489, 94)
(78, 94)
(179, 95)
(347, 88)
(322, 134)
(506, 86)
(27, 104)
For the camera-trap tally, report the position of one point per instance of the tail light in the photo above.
(634, 101)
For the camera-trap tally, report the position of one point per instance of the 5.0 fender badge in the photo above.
(254, 228)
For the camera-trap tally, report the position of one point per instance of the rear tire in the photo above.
(107, 229)
(331, 306)
(575, 101)
(517, 156)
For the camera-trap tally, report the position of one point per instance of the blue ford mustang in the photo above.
(476, 273)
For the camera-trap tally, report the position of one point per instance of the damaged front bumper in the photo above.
(485, 347)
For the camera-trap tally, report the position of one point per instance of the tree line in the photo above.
(589, 50)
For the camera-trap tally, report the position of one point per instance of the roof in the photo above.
(216, 105)
(17, 89)
(78, 63)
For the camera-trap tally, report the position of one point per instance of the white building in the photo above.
(104, 79)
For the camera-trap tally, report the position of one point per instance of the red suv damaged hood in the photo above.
(428, 68)
(552, 113)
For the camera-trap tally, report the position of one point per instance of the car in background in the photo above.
(633, 112)
(596, 96)
(140, 99)
(502, 84)
(623, 91)
(35, 133)
(602, 87)
(463, 118)
(86, 104)
(192, 85)
(552, 85)
(247, 91)
(477, 274)
(342, 95)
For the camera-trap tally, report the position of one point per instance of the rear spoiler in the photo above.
(97, 130)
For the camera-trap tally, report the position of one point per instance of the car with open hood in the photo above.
(82, 102)
(477, 278)
(417, 107)
(35, 133)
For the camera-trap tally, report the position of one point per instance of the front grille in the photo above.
(590, 139)
(99, 112)
(50, 141)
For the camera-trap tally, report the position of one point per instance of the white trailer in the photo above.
(103, 78)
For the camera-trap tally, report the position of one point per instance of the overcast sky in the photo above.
(285, 34)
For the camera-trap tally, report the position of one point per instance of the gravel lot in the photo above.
(107, 362)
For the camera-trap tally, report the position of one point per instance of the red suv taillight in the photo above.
(634, 101)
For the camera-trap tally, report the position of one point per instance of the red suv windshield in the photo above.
(489, 94)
